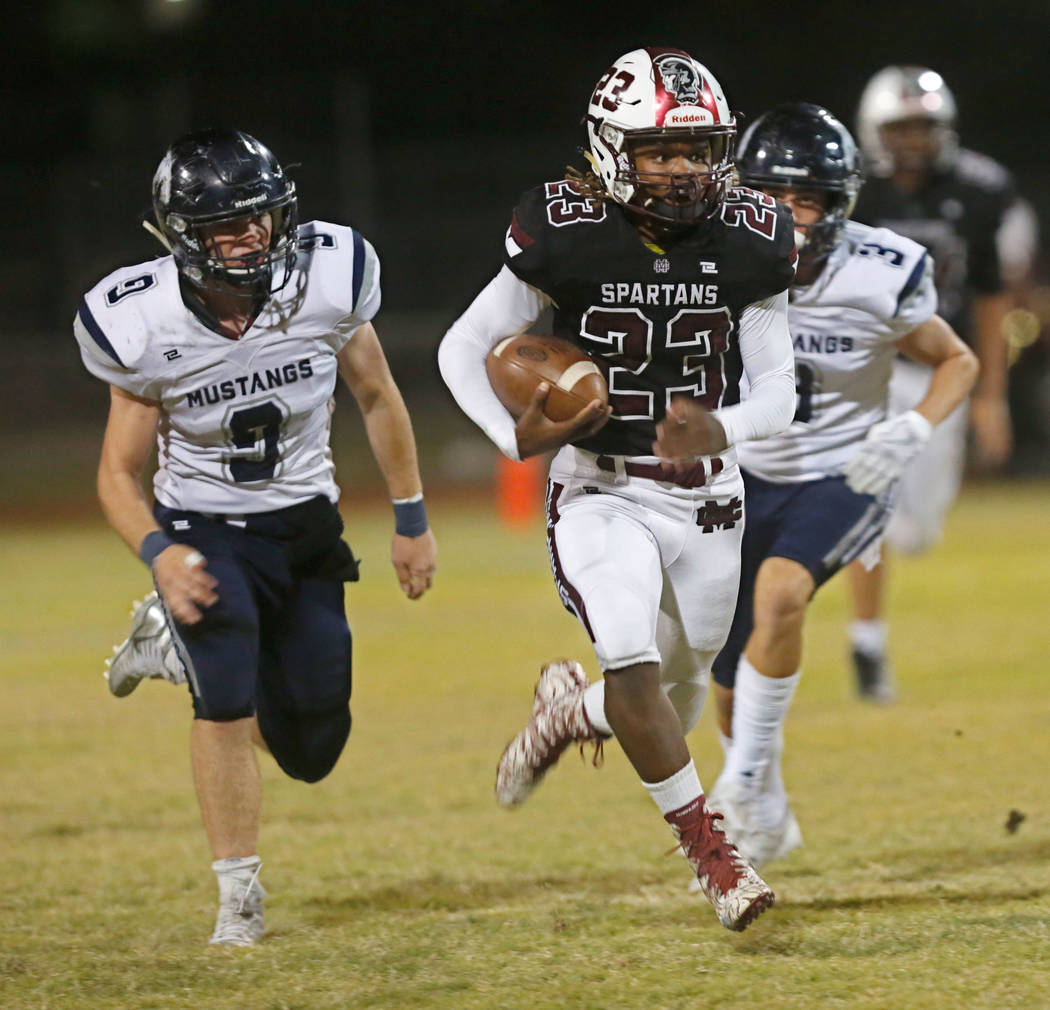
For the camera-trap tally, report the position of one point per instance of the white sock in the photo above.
(770, 812)
(676, 792)
(727, 744)
(227, 870)
(594, 706)
(760, 705)
(869, 636)
(234, 863)
(774, 784)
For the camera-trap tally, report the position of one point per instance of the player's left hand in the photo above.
(415, 561)
(686, 432)
(993, 432)
(888, 449)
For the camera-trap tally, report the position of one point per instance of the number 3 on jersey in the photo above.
(254, 434)
(807, 382)
(694, 342)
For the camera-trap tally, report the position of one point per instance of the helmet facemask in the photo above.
(264, 272)
(916, 143)
(677, 198)
(815, 241)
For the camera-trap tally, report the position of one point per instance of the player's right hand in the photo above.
(686, 432)
(886, 452)
(538, 433)
(184, 584)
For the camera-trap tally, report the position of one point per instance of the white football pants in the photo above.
(644, 579)
(931, 483)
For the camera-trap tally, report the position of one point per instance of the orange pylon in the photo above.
(520, 489)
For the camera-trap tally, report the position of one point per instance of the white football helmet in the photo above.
(898, 93)
(660, 94)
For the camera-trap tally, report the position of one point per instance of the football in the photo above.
(517, 365)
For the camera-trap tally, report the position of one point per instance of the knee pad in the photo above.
(623, 628)
(306, 746)
(685, 682)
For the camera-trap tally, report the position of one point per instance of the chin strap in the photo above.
(157, 234)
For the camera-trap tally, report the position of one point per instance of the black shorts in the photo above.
(821, 524)
(277, 643)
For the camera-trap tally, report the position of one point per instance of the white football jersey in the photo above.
(244, 423)
(876, 287)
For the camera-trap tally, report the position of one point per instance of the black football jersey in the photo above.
(659, 322)
(956, 216)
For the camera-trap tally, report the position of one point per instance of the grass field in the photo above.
(398, 883)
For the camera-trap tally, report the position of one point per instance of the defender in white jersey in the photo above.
(225, 356)
(817, 495)
(644, 506)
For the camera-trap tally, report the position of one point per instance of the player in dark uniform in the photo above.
(675, 283)
(953, 202)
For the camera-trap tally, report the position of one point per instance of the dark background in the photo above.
(419, 123)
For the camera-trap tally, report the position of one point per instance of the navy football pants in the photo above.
(276, 644)
(821, 524)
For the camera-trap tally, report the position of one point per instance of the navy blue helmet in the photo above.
(801, 146)
(219, 175)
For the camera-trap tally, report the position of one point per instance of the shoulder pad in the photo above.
(882, 245)
(344, 278)
(755, 212)
(531, 225)
(980, 170)
(556, 204)
(344, 265)
(893, 273)
(115, 314)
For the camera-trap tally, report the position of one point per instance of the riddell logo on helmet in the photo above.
(689, 115)
(250, 201)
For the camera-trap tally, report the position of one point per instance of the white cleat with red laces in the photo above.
(725, 877)
(557, 720)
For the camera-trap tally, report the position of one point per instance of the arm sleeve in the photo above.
(506, 307)
(769, 364)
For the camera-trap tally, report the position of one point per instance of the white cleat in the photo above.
(148, 651)
(240, 919)
(758, 844)
(557, 679)
(739, 895)
(557, 720)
